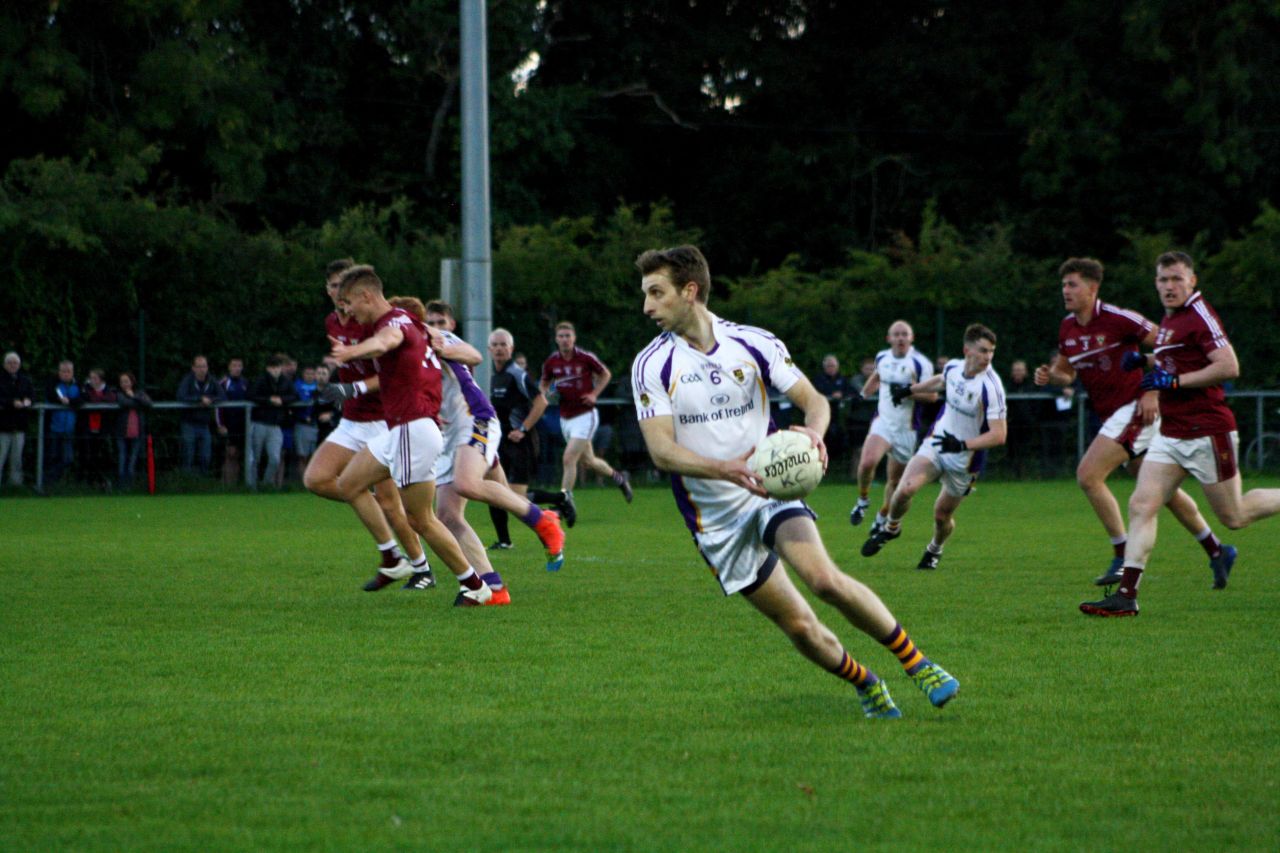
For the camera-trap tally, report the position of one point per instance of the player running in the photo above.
(1197, 429)
(579, 378)
(1093, 342)
(972, 422)
(409, 377)
(362, 422)
(896, 426)
(468, 468)
(700, 390)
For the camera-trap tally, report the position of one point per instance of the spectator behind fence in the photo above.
(327, 414)
(270, 393)
(1022, 419)
(304, 418)
(97, 425)
(16, 396)
(131, 428)
(839, 391)
(290, 374)
(1056, 422)
(61, 449)
(201, 392)
(230, 421)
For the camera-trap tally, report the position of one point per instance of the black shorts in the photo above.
(519, 459)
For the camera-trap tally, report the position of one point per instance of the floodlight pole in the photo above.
(477, 261)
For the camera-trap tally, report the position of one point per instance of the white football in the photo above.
(788, 465)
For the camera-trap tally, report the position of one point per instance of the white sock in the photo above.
(420, 563)
(933, 547)
(389, 545)
(1116, 540)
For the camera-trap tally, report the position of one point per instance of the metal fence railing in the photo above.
(1257, 413)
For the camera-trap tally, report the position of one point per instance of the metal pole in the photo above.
(40, 450)
(449, 282)
(476, 250)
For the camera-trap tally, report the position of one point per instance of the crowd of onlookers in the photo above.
(217, 433)
(266, 443)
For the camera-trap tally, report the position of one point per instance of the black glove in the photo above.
(948, 443)
(899, 391)
(1132, 360)
(337, 393)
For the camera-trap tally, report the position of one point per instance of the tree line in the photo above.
(180, 172)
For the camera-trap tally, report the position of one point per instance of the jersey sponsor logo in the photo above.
(719, 414)
(720, 399)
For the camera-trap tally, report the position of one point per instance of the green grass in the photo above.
(203, 672)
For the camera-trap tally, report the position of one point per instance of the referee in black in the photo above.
(519, 403)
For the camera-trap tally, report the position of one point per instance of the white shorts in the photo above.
(959, 471)
(480, 433)
(1209, 458)
(1125, 427)
(357, 435)
(409, 451)
(741, 555)
(580, 426)
(902, 442)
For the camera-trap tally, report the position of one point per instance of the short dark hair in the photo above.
(682, 264)
(1168, 259)
(1089, 268)
(277, 360)
(978, 332)
(359, 277)
(439, 306)
(340, 265)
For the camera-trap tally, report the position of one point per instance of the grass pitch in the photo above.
(203, 672)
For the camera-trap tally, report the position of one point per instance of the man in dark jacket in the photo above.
(16, 396)
(271, 393)
(201, 392)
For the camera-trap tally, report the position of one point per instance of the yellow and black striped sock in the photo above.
(900, 644)
(850, 670)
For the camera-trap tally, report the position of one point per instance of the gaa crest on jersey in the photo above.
(1164, 336)
(739, 375)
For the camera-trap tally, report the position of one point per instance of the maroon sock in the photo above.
(1129, 581)
(1212, 545)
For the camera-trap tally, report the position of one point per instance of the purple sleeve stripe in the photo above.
(642, 361)
(760, 360)
(665, 373)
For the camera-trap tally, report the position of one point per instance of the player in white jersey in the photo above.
(895, 426)
(468, 469)
(701, 390)
(972, 421)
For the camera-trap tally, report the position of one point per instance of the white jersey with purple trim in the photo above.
(971, 402)
(461, 398)
(719, 406)
(892, 370)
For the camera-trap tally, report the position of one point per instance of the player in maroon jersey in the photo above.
(409, 379)
(1092, 342)
(579, 377)
(1197, 430)
(380, 512)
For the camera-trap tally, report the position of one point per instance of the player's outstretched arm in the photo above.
(1059, 373)
(871, 387)
(458, 351)
(817, 413)
(997, 432)
(387, 339)
(660, 438)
